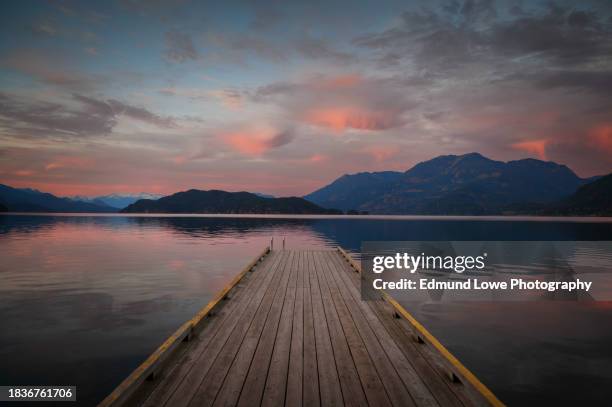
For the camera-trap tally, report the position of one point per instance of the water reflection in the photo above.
(89, 297)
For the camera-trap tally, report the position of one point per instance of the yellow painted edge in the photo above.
(461, 369)
(140, 373)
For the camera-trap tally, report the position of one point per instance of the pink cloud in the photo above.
(316, 158)
(337, 82)
(249, 144)
(340, 102)
(24, 173)
(381, 153)
(601, 136)
(257, 141)
(342, 118)
(69, 163)
(536, 147)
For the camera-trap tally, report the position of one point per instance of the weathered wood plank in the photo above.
(443, 389)
(411, 378)
(258, 371)
(329, 382)
(396, 390)
(310, 390)
(276, 383)
(478, 393)
(295, 376)
(167, 384)
(237, 353)
(190, 384)
(370, 380)
(347, 372)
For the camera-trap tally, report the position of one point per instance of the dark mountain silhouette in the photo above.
(31, 200)
(351, 191)
(469, 184)
(215, 201)
(594, 199)
(3, 208)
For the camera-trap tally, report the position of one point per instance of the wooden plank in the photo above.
(396, 389)
(261, 351)
(347, 372)
(329, 382)
(295, 376)
(128, 386)
(447, 392)
(457, 367)
(370, 380)
(394, 385)
(310, 389)
(436, 383)
(182, 366)
(411, 378)
(464, 374)
(237, 353)
(276, 383)
(232, 327)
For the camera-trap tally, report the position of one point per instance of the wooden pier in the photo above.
(291, 330)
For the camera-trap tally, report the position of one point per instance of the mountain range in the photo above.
(215, 201)
(31, 200)
(117, 201)
(469, 184)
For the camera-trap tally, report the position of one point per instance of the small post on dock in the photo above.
(283, 243)
(271, 244)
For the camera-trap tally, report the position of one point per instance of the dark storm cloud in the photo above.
(471, 31)
(569, 37)
(591, 81)
(179, 47)
(42, 119)
(26, 118)
(112, 107)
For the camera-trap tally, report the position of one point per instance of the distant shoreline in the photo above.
(501, 218)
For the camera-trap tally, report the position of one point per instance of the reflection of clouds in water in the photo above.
(82, 285)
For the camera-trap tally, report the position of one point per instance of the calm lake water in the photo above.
(84, 299)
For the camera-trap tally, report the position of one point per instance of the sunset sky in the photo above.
(282, 97)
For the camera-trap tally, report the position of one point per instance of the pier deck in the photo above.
(291, 330)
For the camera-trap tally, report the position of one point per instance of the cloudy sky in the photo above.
(282, 97)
